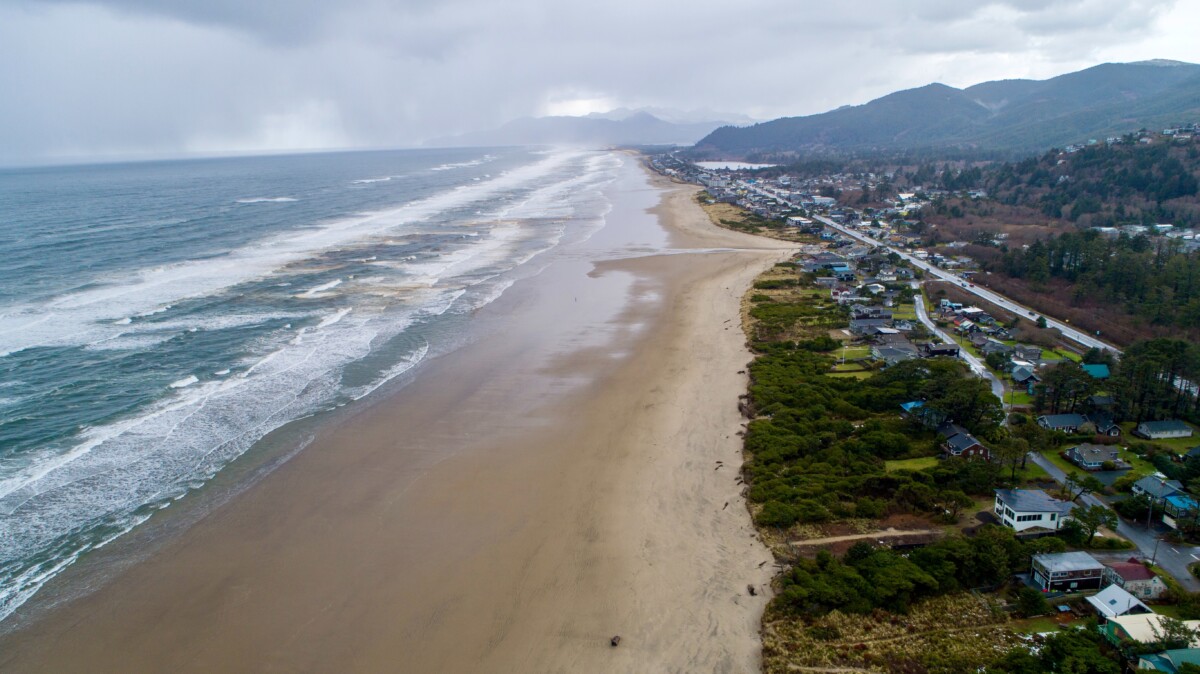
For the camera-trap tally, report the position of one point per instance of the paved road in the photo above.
(977, 366)
(1078, 336)
(1174, 559)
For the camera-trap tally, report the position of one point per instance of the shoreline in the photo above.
(595, 506)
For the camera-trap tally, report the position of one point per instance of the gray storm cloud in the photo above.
(166, 77)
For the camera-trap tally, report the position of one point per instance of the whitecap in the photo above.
(266, 200)
(185, 382)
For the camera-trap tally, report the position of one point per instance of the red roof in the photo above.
(1132, 570)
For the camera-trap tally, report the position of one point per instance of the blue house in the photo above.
(1097, 370)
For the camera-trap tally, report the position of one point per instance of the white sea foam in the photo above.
(464, 164)
(317, 290)
(185, 382)
(266, 200)
(75, 318)
(114, 472)
(369, 181)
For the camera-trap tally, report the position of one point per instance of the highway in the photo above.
(1001, 301)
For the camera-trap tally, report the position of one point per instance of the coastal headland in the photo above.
(568, 478)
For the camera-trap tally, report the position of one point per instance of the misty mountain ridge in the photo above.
(616, 127)
(1004, 115)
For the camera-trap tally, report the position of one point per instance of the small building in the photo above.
(1091, 457)
(1169, 661)
(1113, 601)
(1156, 488)
(1024, 509)
(1142, 629)
(892, 354)
(1097, 370)
(1104, 423)
(966, 446)
(1067, 572)
(1179, 508)
(932, 350)
(1135, 578)
(1066, 423)
(1025, 376)
(1161, 430)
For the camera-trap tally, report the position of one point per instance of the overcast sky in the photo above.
(111, 78)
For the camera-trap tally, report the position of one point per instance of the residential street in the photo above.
(977, 366)
(1174, 559)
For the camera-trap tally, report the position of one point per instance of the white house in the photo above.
(1113, 601)
(1023, 509)
(1158, 430)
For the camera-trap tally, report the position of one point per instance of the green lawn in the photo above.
(905, 312)
(854, 353)
(1019, 398)
(861, 374)
(1062, 464)
(1177, 445)
(911, 464)
(1032, 473)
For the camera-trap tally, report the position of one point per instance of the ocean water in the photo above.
(157, 319)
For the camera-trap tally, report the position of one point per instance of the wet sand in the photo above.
(568, 478)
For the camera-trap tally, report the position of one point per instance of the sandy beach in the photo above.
(568, 478)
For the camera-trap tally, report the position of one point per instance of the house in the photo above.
(992, 346)
(1142, 629)
(1135, 578)
(860, 326)
(1023, 509)
(1104, 423)
(1066, 423)
(1067, 572)
(1097, 371)
(1027, 352)
(931, 350)
(892, 354)
(1159, 430)
(1192, 454)
(926, 415)
(1114, 601)
(1169, 661)
(1179, 508)
(1091, 457)
(1025, 376)
(1156, 488)
(966, 446)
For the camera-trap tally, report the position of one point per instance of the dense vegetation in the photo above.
(819, 445)
(1099, 185)
(1154, 281)
(867, 578)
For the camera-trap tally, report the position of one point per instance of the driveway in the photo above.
(1172, 558)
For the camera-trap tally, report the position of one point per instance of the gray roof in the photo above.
(1062, 420)
(1032, 500)
(1158, 488)
(1114, 601)
(1162, 426)
(1067, 561)
(962, 442)
(1020, 374)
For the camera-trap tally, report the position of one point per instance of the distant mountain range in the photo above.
(1006, 115)
(617, 127)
